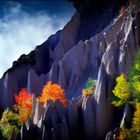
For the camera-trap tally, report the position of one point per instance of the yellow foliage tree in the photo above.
(121, 91)
(136, 119)
(129, 92)
(8, 123)
(52, 92)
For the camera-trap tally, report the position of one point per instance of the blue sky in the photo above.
(26, 24)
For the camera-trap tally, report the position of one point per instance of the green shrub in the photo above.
(134, 77)
(89, 88)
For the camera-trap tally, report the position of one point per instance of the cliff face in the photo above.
(86, 47)
(53, 55)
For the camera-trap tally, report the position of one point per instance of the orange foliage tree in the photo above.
(23, 104)
(53, 92)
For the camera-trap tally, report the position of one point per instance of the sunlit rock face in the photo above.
(69, 59)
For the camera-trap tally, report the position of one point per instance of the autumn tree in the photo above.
(134, 76)
(9, 123)
(23, 104)
(90, 86)
(130, 92)
(52, 92)
(121, 91)
(136, 119)
(133, 133)
(134, 79)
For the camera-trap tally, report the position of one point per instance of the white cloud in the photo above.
(21, 32)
